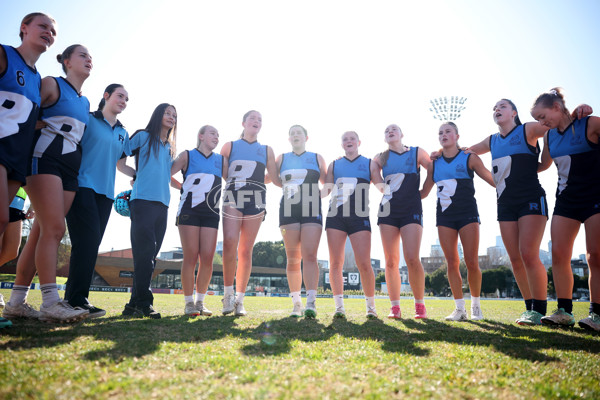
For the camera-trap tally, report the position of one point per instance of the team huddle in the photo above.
(66, 158)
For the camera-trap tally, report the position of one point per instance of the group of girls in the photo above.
(68, 162)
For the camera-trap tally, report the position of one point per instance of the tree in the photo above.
(269, 254)
(217, 259)
(495, 279)
(438, 281)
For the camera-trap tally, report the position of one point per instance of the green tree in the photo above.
(438, 281)
(269, 254)
(495, 279)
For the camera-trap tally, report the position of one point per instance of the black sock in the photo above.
(566, 304)
(540, 306)
(528, 304)
(595, 308)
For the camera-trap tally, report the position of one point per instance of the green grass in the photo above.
(268, 355)
(11, 278)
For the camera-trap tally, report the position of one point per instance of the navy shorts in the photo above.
(349, 225)
(456, 223)
(578, 212)
(14, 215)
(299, 213)
(401, 220)
(512, 212)
(248, 202)
(53, 162)
(202, 221)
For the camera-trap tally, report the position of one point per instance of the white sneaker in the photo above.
(297, 311)
(371, 313)
(62, 312)
(23, 310)
(190, 309)
(2, 304)
(311, 310)
(240, 311)
(202, 310)
(340, 313)
(457, 315)
(228, 304)
(476, 314)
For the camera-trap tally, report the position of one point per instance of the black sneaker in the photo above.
(129, 311)
(149, 312)
(95, 312)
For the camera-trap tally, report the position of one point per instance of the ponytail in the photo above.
(109, 89)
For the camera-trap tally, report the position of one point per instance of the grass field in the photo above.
(268, 355)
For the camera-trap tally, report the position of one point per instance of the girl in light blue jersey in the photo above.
(574, 145)
(104, 143)
(198, 215)
(457, 215)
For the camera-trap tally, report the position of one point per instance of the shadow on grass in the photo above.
(128, 338)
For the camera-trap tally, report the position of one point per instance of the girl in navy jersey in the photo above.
(574, 147)
(52, 181)
(104, 143)
(154, 150)
(300, 218)
(198, 215)
(19, 104)
(401, 215)
(243, 207)
(348, 217)
(457, 215)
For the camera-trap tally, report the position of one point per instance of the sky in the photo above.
(331, 66)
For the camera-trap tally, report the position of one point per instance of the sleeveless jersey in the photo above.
(351, 191)
(578, 162)
(402, 178)
(67, 117)
(19, 108)
(456, 192)
(514, 167)
(202, 184)
(299, 174)
(246, 173)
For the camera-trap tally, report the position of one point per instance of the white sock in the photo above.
(239, 297)
(296, 297)
(395, 303)
(188, 299)
(421, 301)
(370, 302)
(460, 304)
(18, 295)
(339, 301)
(228, 290)
(200, 297)
(475, 301)
(311, 296)
(49, 294)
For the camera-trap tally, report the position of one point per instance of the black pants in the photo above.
(148, 226)
(87, 221)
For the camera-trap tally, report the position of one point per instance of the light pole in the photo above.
(446, 109)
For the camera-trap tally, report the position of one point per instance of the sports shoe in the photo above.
(420, 311)
(148, 312)
(240, 311)
(228, 304)
(591, 323)
(2, 304)
(94, 312)
(457, 315)
(297, 311)
(340, 313)
(530, 318)
(395, 313)
(202, 309)
(62, 312)
(5, 323)
(191, 310)
(371, 313)
(476, 313)
(129, 311)
(311, 310)
(23, 310)
(559, 318)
